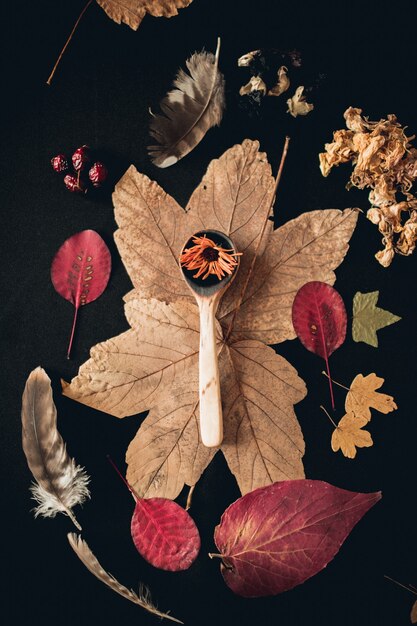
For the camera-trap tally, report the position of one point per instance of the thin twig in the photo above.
(255, 256)
(335, 382)
(48, 82)
(330, 418)
(411, 590)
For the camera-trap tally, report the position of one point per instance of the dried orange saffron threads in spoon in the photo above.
(209, 258)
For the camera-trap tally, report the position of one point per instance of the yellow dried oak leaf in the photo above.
(349, 435)
(154, 365)
(363, 395)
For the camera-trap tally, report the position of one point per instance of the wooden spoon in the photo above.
(208, 293)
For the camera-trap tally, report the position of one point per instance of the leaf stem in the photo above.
(190, 498)
(72, 332)
(410, 589)
(132, 491)
(255, 256)
(335, 382)
(215, 555)
(330, 379)
(328, 415)
(48, 82)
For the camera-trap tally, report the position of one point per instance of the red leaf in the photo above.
(165, 534)
(276, 537)
(319, 320)
(80, 270)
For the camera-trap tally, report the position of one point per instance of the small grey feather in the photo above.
(195, 105)
(142, 599)
(60, 484)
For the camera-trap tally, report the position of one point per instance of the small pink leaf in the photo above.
(165, 534)
(319, 320)
(276, 537)
(80, 270)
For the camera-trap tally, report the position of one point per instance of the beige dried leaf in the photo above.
(132, 12)
(297, 104)
(263, 442)
(133, 371)
(154, 365)
(349, 435)
(307, 248)
(167, 452)
(363, 396)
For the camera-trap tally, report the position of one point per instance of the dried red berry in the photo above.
(73, 184)
(98, 174)
(60, 163)
(80, 157)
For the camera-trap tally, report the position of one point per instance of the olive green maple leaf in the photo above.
(369, 318)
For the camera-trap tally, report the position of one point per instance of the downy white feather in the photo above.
(195, 105)
(60, 483)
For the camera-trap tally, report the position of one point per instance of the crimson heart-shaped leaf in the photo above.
(165, 534)
(319, 320)
(276, 537)
(80, 271)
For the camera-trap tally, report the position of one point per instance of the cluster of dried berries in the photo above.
(207, 258)
(385, 162)
(79, 180)
(269, 77)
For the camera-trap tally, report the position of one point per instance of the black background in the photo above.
(108, 78)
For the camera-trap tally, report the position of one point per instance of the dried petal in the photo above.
(255, 84)
(297, 105)
(385, 162)
(283, 82)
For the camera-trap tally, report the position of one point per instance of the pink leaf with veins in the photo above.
(80, 271)
(276, 537)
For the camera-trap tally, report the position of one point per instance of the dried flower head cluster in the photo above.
(269, 70)
(207, 258)
(384, 161)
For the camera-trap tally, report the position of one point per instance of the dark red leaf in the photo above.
(80, 270)
(319, 320)
(276, 537)
(165, 534)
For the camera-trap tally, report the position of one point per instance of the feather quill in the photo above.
(85, 555)
(60, 483)
(195, 105)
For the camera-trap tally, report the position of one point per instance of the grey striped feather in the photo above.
(60, 484)
(194, 105)
(85, 555)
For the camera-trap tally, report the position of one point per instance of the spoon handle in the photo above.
(211, 418)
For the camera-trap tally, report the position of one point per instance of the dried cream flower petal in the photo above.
(297, 105)
(255, 84)
(283, 82)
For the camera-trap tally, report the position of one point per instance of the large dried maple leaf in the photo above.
(154, 365)
(132, 12)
